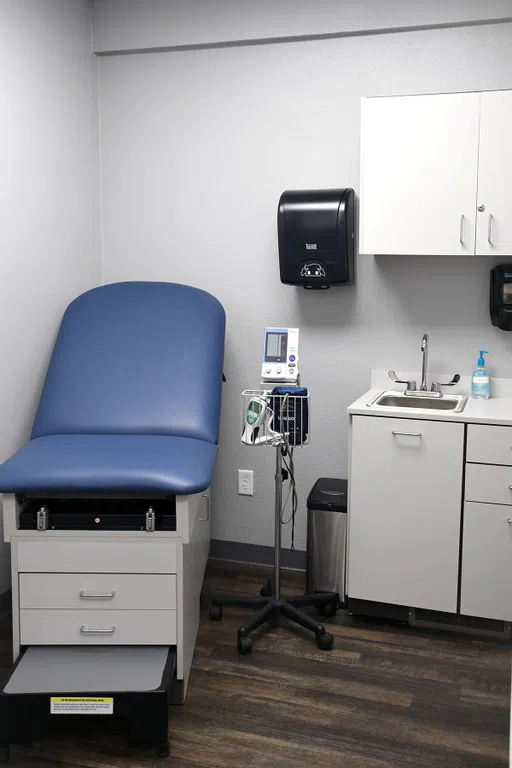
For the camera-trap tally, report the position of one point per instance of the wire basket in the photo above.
(268, 419)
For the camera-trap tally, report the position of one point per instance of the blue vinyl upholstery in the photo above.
(131, 401)
(108, 463)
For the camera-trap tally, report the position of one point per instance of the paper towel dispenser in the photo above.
(316, 237)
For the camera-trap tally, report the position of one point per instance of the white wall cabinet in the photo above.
(494, 209)
(405, 509)
(434, 173)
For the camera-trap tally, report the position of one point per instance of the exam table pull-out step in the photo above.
(134, 683)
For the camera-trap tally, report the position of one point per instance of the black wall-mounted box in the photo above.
(501, 297)
(316, 237)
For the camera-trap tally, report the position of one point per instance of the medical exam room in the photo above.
(256, 400)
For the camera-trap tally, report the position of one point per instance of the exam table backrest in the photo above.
(136, 358)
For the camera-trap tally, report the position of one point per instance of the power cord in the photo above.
(292, 491)
(287, 451)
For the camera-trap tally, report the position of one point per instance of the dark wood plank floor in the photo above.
(387, 695)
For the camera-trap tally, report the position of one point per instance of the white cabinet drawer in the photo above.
(488, 483)
(489, 444)
(158, 555)
(90, 591)
(106, 627)
(487, 562)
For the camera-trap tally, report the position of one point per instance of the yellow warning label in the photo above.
(80, 705)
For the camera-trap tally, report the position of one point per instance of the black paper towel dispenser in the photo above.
(316, 237)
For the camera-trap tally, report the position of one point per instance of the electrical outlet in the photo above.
(245, 482)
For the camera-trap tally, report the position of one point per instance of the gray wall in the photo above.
(197, 147)
(123, 25)
(49, 195)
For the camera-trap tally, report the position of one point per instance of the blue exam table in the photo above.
(129, 410)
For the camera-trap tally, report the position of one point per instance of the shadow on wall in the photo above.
(328, 308)
(440, 291)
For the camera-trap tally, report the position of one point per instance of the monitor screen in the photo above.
(275, 347)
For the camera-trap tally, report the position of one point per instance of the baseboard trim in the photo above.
(256, 554)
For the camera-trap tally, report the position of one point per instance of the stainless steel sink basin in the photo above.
(423, 402)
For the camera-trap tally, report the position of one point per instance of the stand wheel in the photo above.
(5, 754)
(244, 645)
(164, 749)
(325, 642)
(215, 613)
(328, 610)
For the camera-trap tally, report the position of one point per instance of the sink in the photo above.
(421, 402)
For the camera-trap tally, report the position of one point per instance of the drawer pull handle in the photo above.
(85, 631)
(97, 595)
(510, 486)
(205, 519)
(406, 434)
(509, 520)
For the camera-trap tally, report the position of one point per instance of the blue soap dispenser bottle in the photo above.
(480, 383)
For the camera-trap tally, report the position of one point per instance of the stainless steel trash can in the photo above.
(327, 537)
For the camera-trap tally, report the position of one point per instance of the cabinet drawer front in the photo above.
(105, 627)
(98, 556)
(487, 562)
(489, 444)
(488, 483)
(86, 591)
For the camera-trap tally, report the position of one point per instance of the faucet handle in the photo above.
(411, 385)
(436, 386)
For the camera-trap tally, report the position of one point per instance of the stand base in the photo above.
(271, 608)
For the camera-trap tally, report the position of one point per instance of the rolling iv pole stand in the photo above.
(270, 604)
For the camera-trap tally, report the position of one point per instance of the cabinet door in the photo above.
(487, 561)
(404, 511)
(494, 224)
(419, 158)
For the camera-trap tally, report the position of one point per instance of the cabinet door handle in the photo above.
(461, 229)
(97, 595)
(85, 631)
(489, 229)
(510, 486)
(406, 434)
(205, 519)
(509, 520)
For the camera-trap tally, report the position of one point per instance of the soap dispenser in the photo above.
(480, 383)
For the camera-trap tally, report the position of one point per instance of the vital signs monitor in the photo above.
(280, 355)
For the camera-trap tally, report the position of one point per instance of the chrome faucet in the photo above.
(435, 390)
(424, 351)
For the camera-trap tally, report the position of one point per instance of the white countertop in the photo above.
(496, 410)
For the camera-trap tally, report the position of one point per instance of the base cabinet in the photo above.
(405, 510)
(486, 589)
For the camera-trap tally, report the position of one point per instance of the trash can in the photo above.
(327, 537)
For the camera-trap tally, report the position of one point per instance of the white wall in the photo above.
(49, 194)
(197, 147)
(124, 25)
